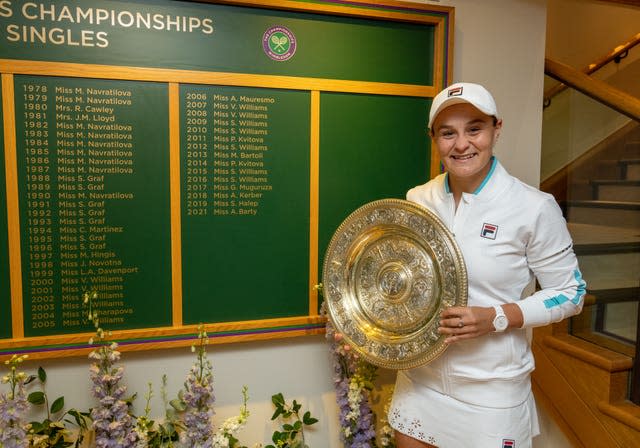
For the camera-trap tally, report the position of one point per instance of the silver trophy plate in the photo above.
(390, 269)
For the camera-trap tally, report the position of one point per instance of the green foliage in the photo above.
(51, 432)
(159, 435)
(164, 435)
(292, 434)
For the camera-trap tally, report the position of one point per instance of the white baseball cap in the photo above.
(463, 92)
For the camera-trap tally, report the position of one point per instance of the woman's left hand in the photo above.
(466, 322)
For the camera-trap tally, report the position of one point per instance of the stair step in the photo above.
(589, 353)
(632, 149)
(599, 169)
(610, 271)
(630, 169)
(623, 411)
(596, 238)
(621, 320)
(615, 312)
(616, 190)
(580, 190)
(605, 296)
(622, 214)
(587, 384)
(609, 257)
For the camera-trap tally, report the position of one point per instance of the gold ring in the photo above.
(460, 324)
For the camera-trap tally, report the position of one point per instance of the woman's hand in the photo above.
(467, 322)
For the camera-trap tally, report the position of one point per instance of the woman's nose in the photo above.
(461, 143)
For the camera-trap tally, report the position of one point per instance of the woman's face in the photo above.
(464, 138)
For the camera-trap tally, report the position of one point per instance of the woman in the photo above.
(478, 392)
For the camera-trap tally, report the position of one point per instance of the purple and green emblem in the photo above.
(279, 43)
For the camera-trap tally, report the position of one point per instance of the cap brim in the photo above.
(450, 102)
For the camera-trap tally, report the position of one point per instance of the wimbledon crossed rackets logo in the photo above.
(279, 43)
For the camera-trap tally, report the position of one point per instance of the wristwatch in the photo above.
(500, 322)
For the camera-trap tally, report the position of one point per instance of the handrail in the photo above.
(594, 88)
(623, 2)
(615, 55)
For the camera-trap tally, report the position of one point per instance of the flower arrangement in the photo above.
(188, 420)
(354, 380)
(199, 398)
(113, 424)
(14, 406)
(196, 402)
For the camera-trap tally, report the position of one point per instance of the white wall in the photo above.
(499, 43)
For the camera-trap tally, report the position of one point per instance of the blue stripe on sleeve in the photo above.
(560, 299)
(582, 287)
(555, 301)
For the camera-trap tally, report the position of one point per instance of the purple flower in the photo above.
(199, 399)
(352, 381)
(113, 425)
(13, 408)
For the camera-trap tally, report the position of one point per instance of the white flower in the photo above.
(219, 441)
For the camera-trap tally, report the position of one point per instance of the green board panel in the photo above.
(245, 203)
(372, 147)
(155, 33)
(93, 182)
(5, 290)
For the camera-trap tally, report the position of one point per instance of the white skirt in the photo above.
(429, 416)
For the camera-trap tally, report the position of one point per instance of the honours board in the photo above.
(188, 162)
(245, 202)
(93, 178)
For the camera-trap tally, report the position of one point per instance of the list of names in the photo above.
(227, 137)
(78, 164)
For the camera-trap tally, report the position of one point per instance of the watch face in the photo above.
(500, 323)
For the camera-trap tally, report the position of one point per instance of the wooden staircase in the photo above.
(584, 386)
(585, 365)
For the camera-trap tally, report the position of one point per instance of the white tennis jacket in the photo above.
(509, 233)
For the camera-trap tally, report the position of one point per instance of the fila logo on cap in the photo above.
(489, 231)
(456, 91)
(508, 443)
